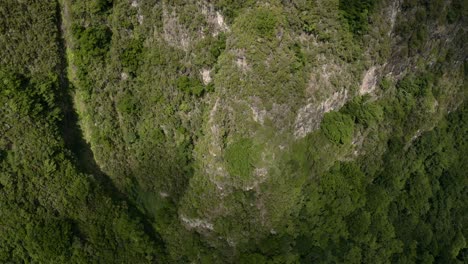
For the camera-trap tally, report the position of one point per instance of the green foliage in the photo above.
(264, 23)
(132, 55)
(49, 239)
(301, 58)
(402, 206)
(93, 42)
(261, 22)
(356, 13)
(457, 10)
(92, 47)
(191, 86)
(414, 29)
(338, 127)
(219, 46)
(419, 86)
(240, 157)
(127, 104)
(39, 26)
(365, 113)
(418, 39)
(232, 8)
(333, 209)
(385, 84)
(30, 97)
(99, 6)
(165, 141)
(51, 211)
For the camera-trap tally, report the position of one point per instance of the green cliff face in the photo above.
(302, 131)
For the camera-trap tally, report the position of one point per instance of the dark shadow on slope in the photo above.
(81, 150)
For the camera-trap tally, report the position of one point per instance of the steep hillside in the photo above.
(301, 131)
(53, 210)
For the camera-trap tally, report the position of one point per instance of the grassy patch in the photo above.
(240, 157)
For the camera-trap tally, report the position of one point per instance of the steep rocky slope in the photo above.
(296, 131)
(208, 114)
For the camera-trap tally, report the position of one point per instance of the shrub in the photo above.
(218, 46)
(190, 86)
(456, 10)
(240, 157)
(231, 8)
(48, 239)
(98, 6)
(385, 84)
(417, 86)
(93, 42)
(260, 22)
(338, 127)
(365, 113)
(356, 13)
(131, 55)
(127, 104)
(30, 96)
(265, 23)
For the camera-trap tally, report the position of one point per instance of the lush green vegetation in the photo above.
(240, 157)
(356, 13)
(53, 211)
(365, 113)
(190, 86)
(233, 131)
(338, 127)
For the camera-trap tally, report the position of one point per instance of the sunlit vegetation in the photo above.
(241, 157)
(338, 127)
(54, 212)
(166, 131)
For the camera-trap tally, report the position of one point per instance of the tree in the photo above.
(338, 127)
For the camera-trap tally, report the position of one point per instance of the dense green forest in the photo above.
(229, 131)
